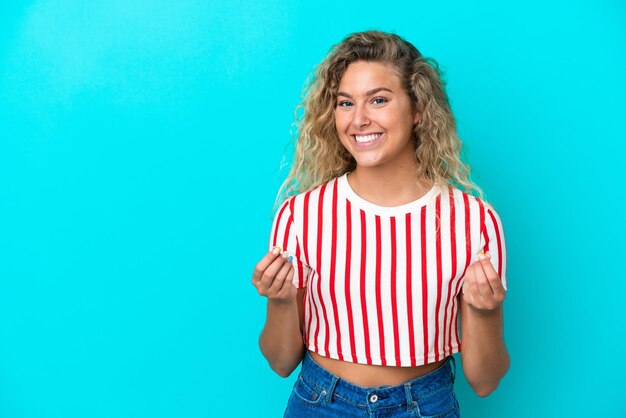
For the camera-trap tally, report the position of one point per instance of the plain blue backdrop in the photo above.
(140, 153)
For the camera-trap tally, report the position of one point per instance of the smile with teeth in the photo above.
(361, 139)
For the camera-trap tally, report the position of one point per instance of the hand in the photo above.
(273, 277)
(482, 288)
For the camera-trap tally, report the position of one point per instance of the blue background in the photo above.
(140, 153)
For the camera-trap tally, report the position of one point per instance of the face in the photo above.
(374, 116)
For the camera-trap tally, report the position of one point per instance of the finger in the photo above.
(268, 259)
(484, 288)
(493, 277)
(485, 262)
(498, 289)
(288, 285)
(469, 285)
(279, 279)
(267, 278)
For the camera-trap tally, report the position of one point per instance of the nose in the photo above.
(360, 117)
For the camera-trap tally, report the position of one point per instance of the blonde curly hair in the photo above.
(319, 155)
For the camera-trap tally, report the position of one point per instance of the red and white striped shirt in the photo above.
(382, 282)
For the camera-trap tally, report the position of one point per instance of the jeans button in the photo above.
(373, 398)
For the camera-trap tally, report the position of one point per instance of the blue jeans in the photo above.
(320, 394)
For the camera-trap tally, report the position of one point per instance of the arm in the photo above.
(484, 355)
(281, 339)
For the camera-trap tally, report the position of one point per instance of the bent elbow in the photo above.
(484, 387)
(485, 380)
(485, 390)
(283, 372)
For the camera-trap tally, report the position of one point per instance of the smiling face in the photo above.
(374, 116)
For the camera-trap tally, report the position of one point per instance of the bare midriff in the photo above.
(370, 375)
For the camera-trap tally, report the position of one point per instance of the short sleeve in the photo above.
(283, 234)
(493, 241)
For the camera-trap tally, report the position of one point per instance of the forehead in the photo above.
(361, 76)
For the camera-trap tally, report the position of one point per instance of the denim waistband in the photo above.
(376, 397)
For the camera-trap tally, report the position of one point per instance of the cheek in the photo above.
(338, 125)
(341, 122)
(403, 124)
(345, 142)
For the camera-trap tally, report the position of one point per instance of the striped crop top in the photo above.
(382, 282)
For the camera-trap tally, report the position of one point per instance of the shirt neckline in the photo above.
(345, 188)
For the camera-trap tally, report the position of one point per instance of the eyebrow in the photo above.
(368, 93)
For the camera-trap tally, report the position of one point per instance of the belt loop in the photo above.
(453, 361)
(410, 403)
(331, 389)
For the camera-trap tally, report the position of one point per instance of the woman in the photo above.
(376, 249)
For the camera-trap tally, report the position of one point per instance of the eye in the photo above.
(379, 100)
(344, 103)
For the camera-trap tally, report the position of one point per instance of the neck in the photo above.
(389, 186)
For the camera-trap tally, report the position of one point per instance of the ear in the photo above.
(416, 118)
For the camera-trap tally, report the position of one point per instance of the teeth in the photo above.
(367, 138)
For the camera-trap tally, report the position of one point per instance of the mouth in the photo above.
(367, 139)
